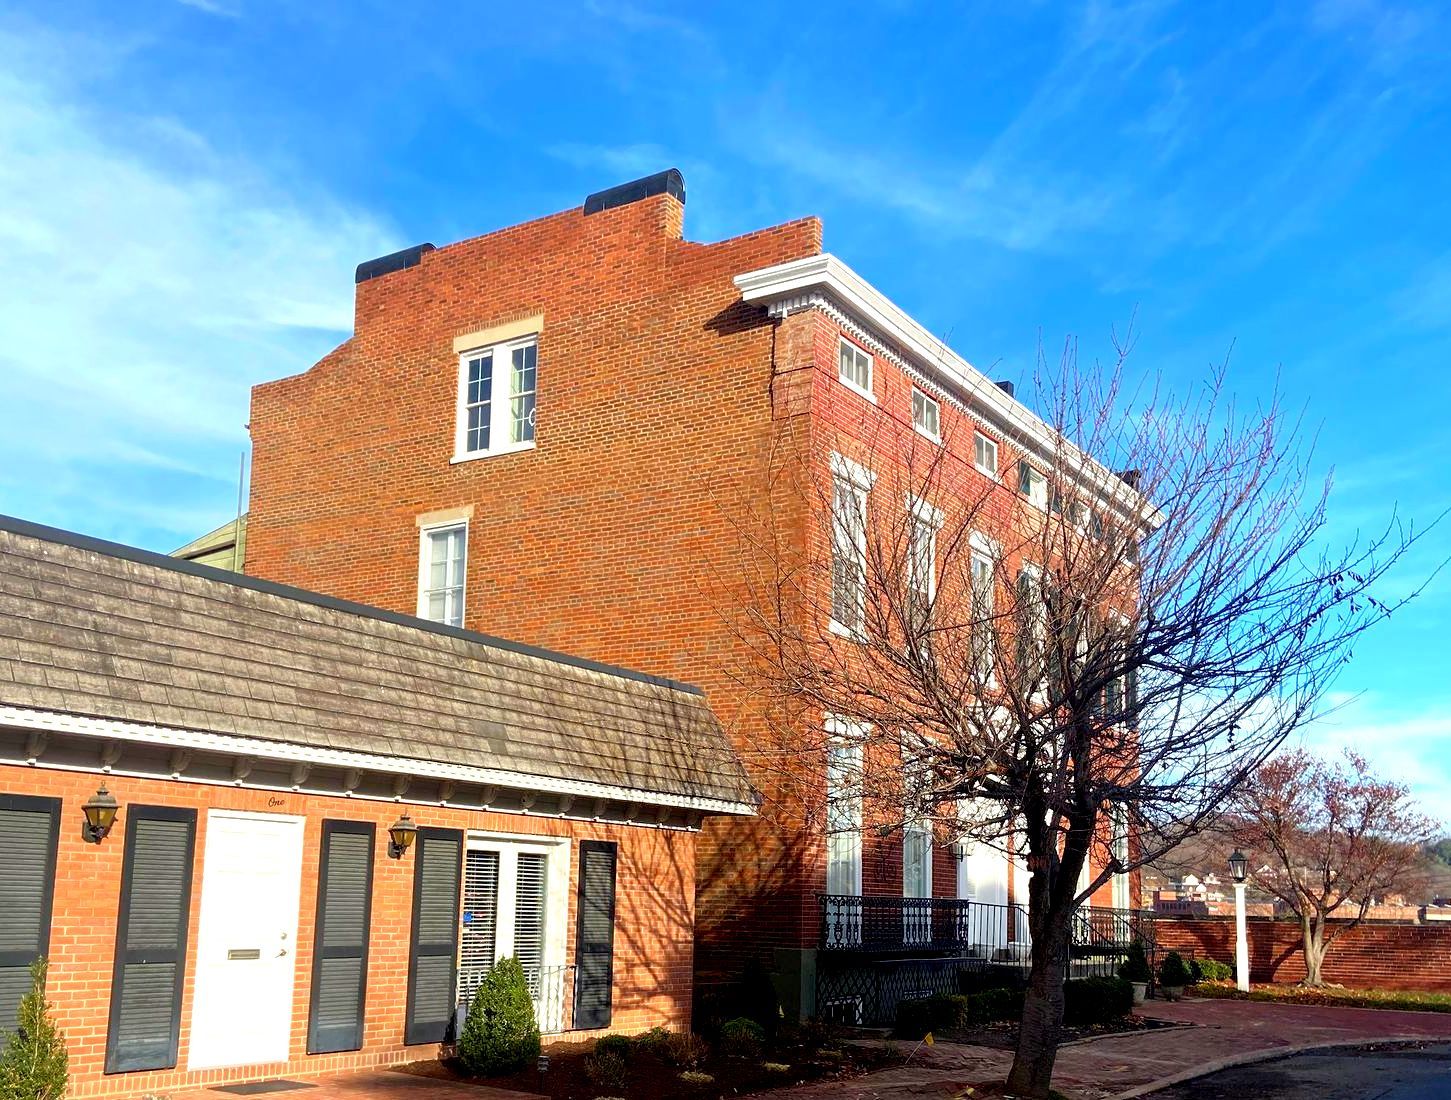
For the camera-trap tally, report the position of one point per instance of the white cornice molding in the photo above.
(801, 284)
(116, 730)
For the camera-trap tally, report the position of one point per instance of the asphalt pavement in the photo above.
(1417, 1072)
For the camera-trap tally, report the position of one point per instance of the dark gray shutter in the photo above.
(594, 949)
(151, 938)
(340, 953)
(432, 961)
(29, 828)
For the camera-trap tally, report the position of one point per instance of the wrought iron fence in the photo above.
(851, 923)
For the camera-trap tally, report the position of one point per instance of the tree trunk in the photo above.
(1041, 1028)
(1312, 936)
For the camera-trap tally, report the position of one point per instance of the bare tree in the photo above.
(1016, 656)
(1329, 839)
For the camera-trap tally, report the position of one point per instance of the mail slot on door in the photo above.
(244, 953)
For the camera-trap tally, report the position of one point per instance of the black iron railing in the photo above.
(891, 924)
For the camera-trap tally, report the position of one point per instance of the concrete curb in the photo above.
(1267, 1054)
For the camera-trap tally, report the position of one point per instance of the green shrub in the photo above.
(1172, 971)
(500, 1034)
(981, 979)
(651, 1042)
(684, 1050)
(33, 1063)
(1212, 970)
(992, 1005)
(606, 1069)
(742, 1038)
(691, 1077)
(1135, 966)
(1090, 1001)
(622, 1046)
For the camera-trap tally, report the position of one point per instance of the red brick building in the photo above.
(551, 431)
(250, 913)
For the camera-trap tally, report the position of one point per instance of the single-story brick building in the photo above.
(332, 820)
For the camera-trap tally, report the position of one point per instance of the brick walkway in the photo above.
(1216, 1033)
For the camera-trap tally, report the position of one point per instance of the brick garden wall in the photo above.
(1369, 956)
(653, 934)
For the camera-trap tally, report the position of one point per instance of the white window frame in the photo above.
(501, 393)
(984, 551)
(555, 939)
(928, 402)
(425, 542)
(851, 383)
(1119, 845)
(1037, 493)
(856, 480)
(989, 471)
(923, 517)
(1040, 581)
(845, 740)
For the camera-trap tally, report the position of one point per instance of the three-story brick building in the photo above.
(550, 432)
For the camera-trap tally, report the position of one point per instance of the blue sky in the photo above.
(185, 188)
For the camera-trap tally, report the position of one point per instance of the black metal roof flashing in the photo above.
(668, 182)
(394, 261)
(29, 529)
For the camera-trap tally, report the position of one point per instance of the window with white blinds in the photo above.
(479, 938)
(28, 831)
(515, 903)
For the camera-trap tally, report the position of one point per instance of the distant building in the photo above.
(225, 548)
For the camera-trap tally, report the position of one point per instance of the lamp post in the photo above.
(1239, 868)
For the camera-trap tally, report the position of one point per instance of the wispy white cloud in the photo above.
(1405, 745)
(147, 280)
(212, 7)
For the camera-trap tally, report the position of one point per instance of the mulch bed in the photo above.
(1004, 1036)
(650, 1078)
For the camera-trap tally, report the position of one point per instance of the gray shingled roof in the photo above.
(105, 631)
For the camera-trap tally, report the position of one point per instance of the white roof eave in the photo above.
(877, 312)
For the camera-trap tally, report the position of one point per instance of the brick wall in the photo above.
(653, 933)
(1369, 956)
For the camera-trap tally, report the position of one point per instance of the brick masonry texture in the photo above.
(664, 405)
(653, 935)
(1369, 956)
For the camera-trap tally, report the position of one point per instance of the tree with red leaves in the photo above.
(1327, 839)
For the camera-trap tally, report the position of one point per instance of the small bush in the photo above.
(992, 1005)
(914, 1018)
(1135, 966)
(500, 1034)
(34, 1061)
(742, 1038)
(944, 1012)
(622, 1046)
(1212, 970)
(606, 1069)
(1172, 971)
(1091, 1001)
(775, 1067)
(692, 1077)
(980, 980)
(653, 1041)
(684, 1050)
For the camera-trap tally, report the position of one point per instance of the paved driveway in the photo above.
(1211, 1034)
(1403, 1073)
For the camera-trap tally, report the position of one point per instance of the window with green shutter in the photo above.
(151, 938)
(29, 828)
(340, 955)
(595, 939)
(432, 962)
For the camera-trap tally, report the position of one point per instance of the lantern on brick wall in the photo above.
(401, 835)
(100, 810)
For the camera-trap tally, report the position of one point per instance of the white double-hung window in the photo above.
(926, 415)
(442, 557)
(850, 484)
(921, 563)
(496, 390)
(854, 368)
(843, 831)
(984, 554)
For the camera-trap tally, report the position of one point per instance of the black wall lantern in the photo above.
(100, 810)
(401, 835)
(1238, 865)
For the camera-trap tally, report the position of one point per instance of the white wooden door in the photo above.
(247, 941)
